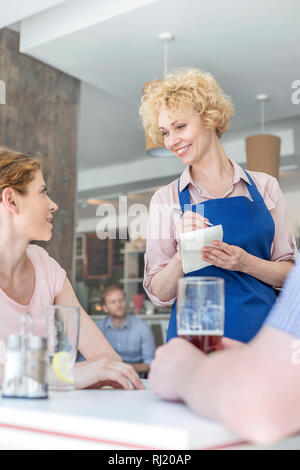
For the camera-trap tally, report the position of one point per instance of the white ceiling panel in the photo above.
(250, 46)
(15, 10)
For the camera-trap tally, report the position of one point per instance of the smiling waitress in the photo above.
(188, 113)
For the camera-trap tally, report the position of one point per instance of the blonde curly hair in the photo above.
(181, 87)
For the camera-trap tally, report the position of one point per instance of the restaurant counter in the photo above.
(112, 419)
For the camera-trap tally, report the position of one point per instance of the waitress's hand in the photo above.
(174, 364)
(190, 221)
(225, 256)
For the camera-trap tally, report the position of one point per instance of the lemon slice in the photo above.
(63, 367)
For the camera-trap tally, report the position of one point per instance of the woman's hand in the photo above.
(98, 373)
(190, 221)
(173, 365)
(225, 256)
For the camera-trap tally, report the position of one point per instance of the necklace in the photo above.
(213, 194)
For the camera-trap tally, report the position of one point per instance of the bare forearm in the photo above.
(110, 355)
(92, 343)
(164, 283)
(270, 272)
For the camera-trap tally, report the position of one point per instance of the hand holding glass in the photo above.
(200, 311)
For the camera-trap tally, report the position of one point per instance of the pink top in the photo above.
(161, 237)
(49, 279)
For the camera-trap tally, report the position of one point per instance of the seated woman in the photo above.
(30, 280)
(188, 113)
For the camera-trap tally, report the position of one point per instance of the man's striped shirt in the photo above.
(285, 314)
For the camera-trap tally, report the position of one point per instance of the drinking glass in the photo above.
(63, 337)
(200, 311)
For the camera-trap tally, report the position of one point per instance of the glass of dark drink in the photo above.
(200, 312)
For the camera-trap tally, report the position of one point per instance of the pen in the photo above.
(179, 211)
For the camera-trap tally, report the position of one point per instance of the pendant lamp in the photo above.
(156, 150)
(263, 150)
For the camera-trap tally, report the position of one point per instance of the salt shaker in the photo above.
(13, 383)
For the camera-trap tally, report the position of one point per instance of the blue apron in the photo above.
(249, 225)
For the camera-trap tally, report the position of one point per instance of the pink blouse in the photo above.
(161, 233)
(49, 280)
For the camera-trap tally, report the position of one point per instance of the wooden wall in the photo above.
(40, 118)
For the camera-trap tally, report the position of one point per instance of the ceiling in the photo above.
(17, 10)
(250, 46)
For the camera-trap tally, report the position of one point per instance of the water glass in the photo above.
(63, 336)
(200, 311)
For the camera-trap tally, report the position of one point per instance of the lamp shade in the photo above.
(263, 153)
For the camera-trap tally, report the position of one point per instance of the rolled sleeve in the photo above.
(161, 242)
(148, 275)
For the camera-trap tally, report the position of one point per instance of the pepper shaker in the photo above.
(36, 368)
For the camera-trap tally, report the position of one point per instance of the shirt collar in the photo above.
(239, 173)
(126, 324)
(186, 178)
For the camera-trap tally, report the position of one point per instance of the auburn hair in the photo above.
(17, 170)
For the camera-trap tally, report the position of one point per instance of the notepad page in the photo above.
(192, 242)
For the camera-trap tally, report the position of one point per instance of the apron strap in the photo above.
(184, 198)
(253, 191)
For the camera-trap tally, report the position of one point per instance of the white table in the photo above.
(111, 419)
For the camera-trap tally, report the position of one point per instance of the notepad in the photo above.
(191, 244)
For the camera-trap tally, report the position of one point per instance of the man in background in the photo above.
(130, 336)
